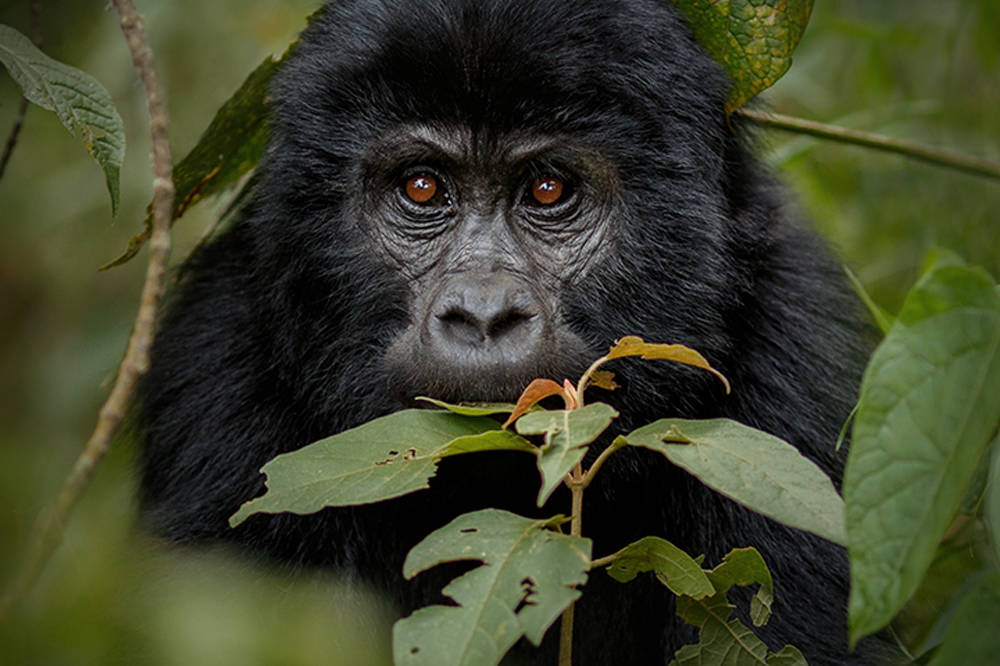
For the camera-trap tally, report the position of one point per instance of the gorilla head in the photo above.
(460, 196)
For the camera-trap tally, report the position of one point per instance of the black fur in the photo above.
(279, 331)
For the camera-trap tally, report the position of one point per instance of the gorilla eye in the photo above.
(546, 191)
(421, 189)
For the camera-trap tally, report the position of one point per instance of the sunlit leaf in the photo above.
(567, 434)
(632, 345)
(536, 391)
(753, 40)
(927, 411)
(758, 470)
(82, 104)
(530, 574)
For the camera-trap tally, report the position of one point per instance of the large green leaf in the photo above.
(758, 470)
(388, 457)
(929, 405)
(567, 434)
(82, 104)
(530, 574)
(753, 40)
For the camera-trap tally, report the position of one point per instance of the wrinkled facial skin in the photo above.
(497, 232)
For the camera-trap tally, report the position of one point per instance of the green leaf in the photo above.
(671, 566)
(882, 318)
(472, 408)
(928, 408)
(83, 105)
(228, 149)
(754, 468)
(530, 574)
(567, 434)
(753, 40)
(972, 636)
(725, 642)
(992, 509)
(745, 566)
(388, 457)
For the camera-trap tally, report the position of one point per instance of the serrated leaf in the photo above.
(753, 40)
(972, 636)
(471, 408)
(723, 641)
(927, 411)
(745, 566)
(388, 457)
(530, 574)
(671, 566)
(567, 434)
(229, 148)
(752, 467)
(82, 104)
(632, 345)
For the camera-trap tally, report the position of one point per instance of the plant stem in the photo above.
(49, 532)
(937, 156)
(576, 487)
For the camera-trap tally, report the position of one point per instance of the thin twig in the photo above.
(22, 109)
(937, 156)
(48, 534)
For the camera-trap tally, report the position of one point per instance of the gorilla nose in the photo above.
(492, 312)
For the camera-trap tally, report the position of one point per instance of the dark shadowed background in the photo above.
(926, 70)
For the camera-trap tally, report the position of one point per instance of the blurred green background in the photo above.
(926, 70)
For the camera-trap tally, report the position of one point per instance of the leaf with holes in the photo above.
(83, 105)
(385, 458)
(567, 434)
(529, 575)
(721, 634)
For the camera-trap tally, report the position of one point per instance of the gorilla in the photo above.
(460, 196)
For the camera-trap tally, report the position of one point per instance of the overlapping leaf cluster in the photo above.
(531, 570)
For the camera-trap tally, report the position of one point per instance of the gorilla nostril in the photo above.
(462, 325)
(507, 322)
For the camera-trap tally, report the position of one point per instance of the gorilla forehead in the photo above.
(589, 66)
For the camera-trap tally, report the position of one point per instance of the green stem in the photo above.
(937, 156)
(576, 487)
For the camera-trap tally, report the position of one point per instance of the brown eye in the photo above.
(421, 189)
(547, 191)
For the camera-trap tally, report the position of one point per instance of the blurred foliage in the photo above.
(918, 69)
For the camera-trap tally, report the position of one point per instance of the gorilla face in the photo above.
(496, 172)
(487, 238)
